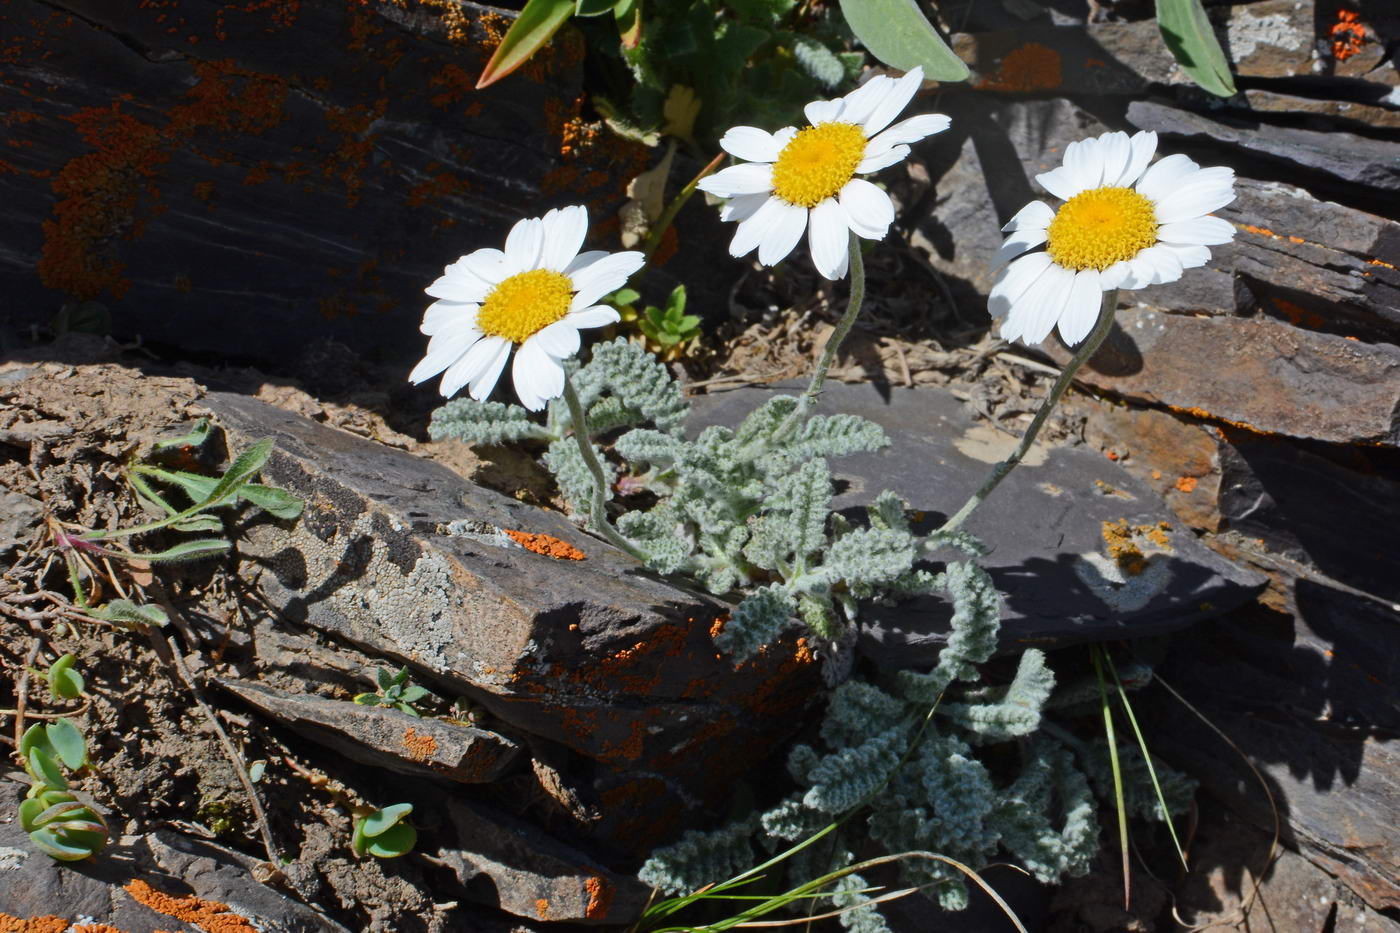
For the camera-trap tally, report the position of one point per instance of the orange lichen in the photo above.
(1186, 483)
(1261, 231)
(1030, 67)
(600, 897)
(210, 915)
(45, 924)
(96, 928)
(419, 747)
(1299, 316)
(1125, 543)
(1379, 262)
(1202, 413)
(1348, 35)
(542, 908)
(544, 544)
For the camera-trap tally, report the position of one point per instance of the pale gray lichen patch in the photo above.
(1248, 31)
(11, 858)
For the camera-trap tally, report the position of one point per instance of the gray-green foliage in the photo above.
(737, 509)
(912, 782)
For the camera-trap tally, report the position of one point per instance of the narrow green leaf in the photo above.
(244, 467)
(63, 810)
(532, 29)
(187, 550)
(199, 523)
(898, 34)
(124, 611)
(593, 7)
(276, 502)
(379, 822)
(1147, 760)
(195, 437)
(68, 741)
(1189, 36)
(1111, 737)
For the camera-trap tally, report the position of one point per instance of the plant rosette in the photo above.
(384, 833)
(1122, 225)
(536, 294)
(805, 180)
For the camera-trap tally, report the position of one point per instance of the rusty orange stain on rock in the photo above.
(419, 747)
(1030, 67)
(213, 916)
(600, 897)
(548, 545)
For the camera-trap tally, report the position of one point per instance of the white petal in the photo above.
(911, 130)
(443, 351)
(751, 144)
(1208, 190)
(585, 259)
(485, 381)
(1116, 151)
(758, 225)
(1189, 256)
(472, 364)
(1013, 282)
(1200, 231)
(1036, 214)
(1143, 144)
(559, 339)
(1017, 243)
(869, 210)
(783, 236)
(1159, 180)
(748, 178)
(1156, 265)
(606, 275)
(1059, 182)
(523, 245)
(822, 111)
(444, 315)
(1081, 312)
(742, 207)
(828, 233)
(857, 106)
(564, 230)
(1084, 163)
(459, 288)
(1115, 275)
(488, 265)
(596, 316)
(538, 377)
(873, 163)
(895, 100)
(1051, 296)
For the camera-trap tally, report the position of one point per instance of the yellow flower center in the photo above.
(817, 163)
(524, 304)
(1101, 226)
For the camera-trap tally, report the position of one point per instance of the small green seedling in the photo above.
(394, 691)
(65, 683)
(384, 833)
(669, 330)
(58, 824)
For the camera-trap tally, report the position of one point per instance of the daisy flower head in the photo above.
(805, 180)
(536, 294)
(1123, 224)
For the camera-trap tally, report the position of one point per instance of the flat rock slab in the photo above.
(160, 881)
(592, 653)
(1048, 526)
(387, 738)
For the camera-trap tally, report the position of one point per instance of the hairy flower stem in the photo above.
(598, 509)
(1081, 356)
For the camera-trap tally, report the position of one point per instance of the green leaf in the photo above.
(255, 771)
(367, 699)
(898, 34)
(383, 678)
(244, 467)
(197, 523)
(68, 741)
(532, 29)
(414, 693)
(45, 769)
(29, 811)
(187, 550)
(276, 502)
(1191, 39)
(34, 737)
(393, 842)
(593, 7)
(64, 682)
(195, 437)
(86, 317)
(623, 296)
(818, 62)
(55, 844)
(676, 300)
(127, 612)
(380, 821)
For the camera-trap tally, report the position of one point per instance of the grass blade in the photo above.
(1146, 757)
(1117, 774)
(531, 31)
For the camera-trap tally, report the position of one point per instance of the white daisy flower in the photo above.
(796, 180)
(1123, 225)
(537, 294)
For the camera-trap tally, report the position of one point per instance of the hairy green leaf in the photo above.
(1189, 36)
(898, 34)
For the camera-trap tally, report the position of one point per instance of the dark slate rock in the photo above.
(1045, 526)
(1309, 696)
(387, 738)
(34, 885)
(513, 865)
(1257, 372)
(19, 516)
(593, 654)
